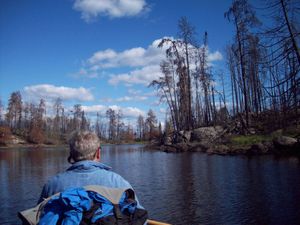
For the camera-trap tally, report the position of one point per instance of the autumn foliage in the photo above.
(5, 135)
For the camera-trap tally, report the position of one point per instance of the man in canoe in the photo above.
(86, 169)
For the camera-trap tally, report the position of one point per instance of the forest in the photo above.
(262, 95)
(31, 122)
(263, 65)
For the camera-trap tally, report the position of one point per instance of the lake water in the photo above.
(184, 189)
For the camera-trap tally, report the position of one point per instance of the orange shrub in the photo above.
(5, 135)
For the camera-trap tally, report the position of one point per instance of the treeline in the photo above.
(263, 63)
(33, 123)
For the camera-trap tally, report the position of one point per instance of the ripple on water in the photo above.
(183, 189)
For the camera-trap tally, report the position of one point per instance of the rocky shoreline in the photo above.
(215, 140)
(18, 142)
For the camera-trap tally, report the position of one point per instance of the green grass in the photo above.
(243, 140)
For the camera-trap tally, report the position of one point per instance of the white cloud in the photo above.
(142, 76)
(132, 91)
(131, 98)
(215, 56)
(91, 9)
(107, 54)
(132, 112)
(126, 111)
(48, 91)
(124, 99)
(101, 61)
(94, 108)
(133, 57)
(142, 62)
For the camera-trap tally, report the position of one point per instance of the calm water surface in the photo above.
(189, 189)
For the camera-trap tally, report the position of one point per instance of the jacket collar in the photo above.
(87, 165)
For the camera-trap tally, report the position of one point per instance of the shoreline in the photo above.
(209, 140)
(28, 145)
(228, 150)
(246, 145)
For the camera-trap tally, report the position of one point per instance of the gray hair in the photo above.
(83, 146)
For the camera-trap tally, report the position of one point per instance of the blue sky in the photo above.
(98, 53)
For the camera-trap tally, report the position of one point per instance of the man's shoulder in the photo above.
(68, 179)
(55, 178)
(99, 176)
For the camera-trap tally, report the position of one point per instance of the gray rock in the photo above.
(182, 147)
(16, 140)
(186, 135)
(258, 148)
(206, 134)
(284, 141)
(269, 146)
(239, 150)
(167, 140)
(252, 131)
(182, 137)
(284, 144)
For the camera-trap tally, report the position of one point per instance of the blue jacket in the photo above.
(70, 204)
(81, 174)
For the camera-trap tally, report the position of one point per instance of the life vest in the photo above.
(96, 205)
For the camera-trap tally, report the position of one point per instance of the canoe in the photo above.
(154, 222)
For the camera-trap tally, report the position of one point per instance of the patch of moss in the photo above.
(246, 140)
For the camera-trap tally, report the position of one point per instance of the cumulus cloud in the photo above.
(215, 56)
(133, 112)
(48, 91)
(131, 98)
(132, 91)
(94, 108)
(128, 112)
(91, 9)
(105, 55)
(143, 63)
(133, 57)
(139, 76)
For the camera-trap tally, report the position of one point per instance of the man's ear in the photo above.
(98, 154)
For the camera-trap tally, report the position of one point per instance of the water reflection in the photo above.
(23, 172)
(181, 188)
